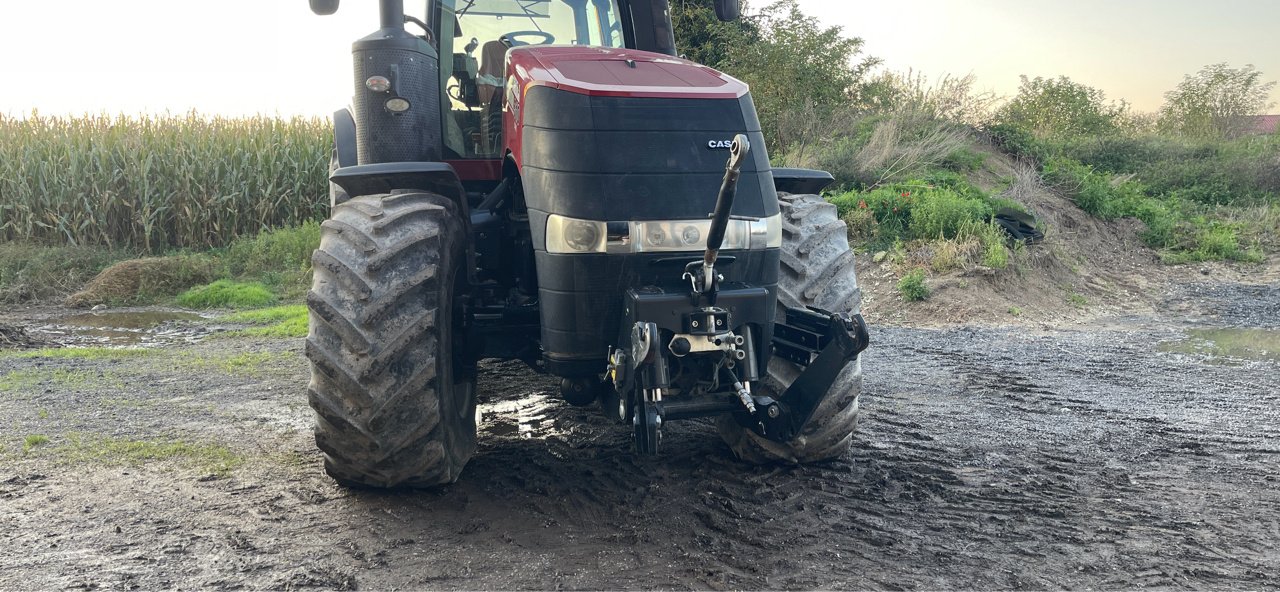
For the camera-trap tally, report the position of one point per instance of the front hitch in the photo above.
(822, 341)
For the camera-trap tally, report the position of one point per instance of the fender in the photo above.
(385, 177)
(344, 137)
(801, 180)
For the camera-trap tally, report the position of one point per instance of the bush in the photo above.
(912, 286)
(1017, 142)
(280, 250)
(1061, 107)
(227, 294)
(1216, 102)
(963, 160)
(1095, 192)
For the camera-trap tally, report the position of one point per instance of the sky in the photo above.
(242, 57)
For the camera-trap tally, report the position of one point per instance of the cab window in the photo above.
(473, 39)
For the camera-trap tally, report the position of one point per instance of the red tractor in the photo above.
(545, 180)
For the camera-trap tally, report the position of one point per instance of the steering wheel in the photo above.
(544, 38)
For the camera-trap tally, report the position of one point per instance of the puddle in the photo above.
(1246, 344)
(146, 328)
(526, 418)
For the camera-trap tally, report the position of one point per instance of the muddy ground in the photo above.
(1127, 452)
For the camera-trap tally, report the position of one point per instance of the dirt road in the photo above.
(1140, 452)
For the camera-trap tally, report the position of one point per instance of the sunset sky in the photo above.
(274, 56)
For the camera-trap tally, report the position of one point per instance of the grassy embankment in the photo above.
(905, 173)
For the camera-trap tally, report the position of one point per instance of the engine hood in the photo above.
(599, 71)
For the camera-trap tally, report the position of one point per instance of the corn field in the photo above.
(154, 183)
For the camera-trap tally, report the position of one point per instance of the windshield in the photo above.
(558, 22)
(474, 36)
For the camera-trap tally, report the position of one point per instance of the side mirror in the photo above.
(726, 10)
(326, 7)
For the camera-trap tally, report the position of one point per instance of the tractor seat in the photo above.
(493, 63)
(492, 70)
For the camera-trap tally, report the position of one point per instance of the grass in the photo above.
(278, 321)
(266, 316)
(107, 450)
(912, 286)
(61, 378)
(1077, 300)
(289, 320)
(294, 327)
(31, 442)
(83, 353)
(227, 294)
(155, 183)
(250, 364)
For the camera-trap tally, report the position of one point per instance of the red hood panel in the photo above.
(622, 72)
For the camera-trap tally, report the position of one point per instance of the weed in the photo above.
(32, 441)
(227, 294)
(912, 286)
(42, 413)
(1015, 311)
(1077, 300)
(996, 257)
(951, 254)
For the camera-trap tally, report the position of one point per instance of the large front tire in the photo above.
(393, 407)
(817, 270)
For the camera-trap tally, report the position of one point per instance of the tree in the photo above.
(1216, 102)
(795, 65)
(1061, 107)
(705, 39)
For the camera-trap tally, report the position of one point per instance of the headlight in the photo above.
(684, 235)
(570, 235)
(766, 233)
